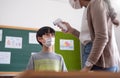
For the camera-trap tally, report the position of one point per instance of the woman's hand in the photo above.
(69, 27)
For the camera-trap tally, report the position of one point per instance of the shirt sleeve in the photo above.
(30, 65)
(64, 68)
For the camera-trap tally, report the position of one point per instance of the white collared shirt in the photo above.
(84, 33)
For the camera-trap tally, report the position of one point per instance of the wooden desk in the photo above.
(8, 74)
(77, 74)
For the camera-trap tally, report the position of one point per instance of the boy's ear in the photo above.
(40, 39)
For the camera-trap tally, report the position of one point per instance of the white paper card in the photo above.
(66, 44)
(13, 42)
(33, 53)
(1, 33)
(32, 38)
(5, 57)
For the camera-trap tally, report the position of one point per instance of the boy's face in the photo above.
(48, 35)
(48, 39)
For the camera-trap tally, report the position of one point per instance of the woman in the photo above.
(99, 19)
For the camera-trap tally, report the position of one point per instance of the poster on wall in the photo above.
(5, 57)
(1, 32)
(13, 42)
(32, 38)
(33, 53)
(66, 44)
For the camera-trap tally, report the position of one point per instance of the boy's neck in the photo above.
(48, 49)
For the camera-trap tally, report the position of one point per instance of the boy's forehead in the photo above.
(48, 33)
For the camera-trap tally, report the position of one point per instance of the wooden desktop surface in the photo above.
(75, 74)
(9, 74)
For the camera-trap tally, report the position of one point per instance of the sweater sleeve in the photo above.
(98, 14)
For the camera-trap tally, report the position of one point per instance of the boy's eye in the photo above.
(47, 34)
(52, 34)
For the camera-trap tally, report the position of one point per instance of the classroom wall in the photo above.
(116, 5)
(37, 13)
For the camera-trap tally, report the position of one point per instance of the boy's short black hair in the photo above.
(42, 31)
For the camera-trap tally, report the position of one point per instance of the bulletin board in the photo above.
(19, 57)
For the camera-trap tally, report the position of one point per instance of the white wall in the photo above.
(37, 13)
(116, 5)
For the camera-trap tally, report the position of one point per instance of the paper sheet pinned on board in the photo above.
(1, 33)
(5, 57)
(32, 38)
(13, 42)
(66, 44)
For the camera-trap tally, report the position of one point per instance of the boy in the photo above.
(47, 59)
